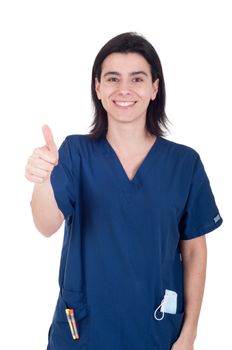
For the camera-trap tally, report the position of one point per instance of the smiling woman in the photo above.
(136, 208)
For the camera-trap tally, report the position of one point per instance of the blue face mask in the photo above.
(168, 304)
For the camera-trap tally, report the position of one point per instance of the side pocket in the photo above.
(60, 336)
(166, 331)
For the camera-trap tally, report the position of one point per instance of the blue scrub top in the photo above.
(121, 247)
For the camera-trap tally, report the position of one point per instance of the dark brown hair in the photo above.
(156, 119)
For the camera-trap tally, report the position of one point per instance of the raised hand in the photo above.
(43, 159)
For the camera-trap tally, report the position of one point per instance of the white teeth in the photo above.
(124, 104)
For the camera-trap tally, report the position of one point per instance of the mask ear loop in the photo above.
(155, 312)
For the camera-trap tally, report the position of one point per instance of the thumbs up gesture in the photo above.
(43, 159)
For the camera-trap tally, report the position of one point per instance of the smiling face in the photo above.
(125, 88)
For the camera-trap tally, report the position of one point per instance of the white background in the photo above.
(47, 52)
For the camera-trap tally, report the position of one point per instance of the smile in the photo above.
(125, 103)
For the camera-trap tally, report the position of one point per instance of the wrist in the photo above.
(188, 333)
(44, 183)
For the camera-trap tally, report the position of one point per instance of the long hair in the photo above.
(156, 118)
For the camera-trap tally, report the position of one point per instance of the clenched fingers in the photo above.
(46, 155)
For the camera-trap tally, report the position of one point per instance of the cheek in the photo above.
(144, 91)
(145, 96)
(105, 99)
(106, 92)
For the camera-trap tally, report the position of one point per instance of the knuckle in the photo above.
(30, 159)
(27, 167)
(36, 150)
(28, 177)
(53, 160)
(51, 167)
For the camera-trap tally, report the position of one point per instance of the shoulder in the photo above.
(184, 161)
(80, 143)
(76, 138)
(181, 157)
(180, 150)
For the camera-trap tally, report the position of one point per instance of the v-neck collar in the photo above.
(119, 171)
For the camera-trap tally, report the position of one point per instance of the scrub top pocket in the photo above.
(165, 332)
(60, 336)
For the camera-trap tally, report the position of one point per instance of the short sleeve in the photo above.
(62, 180)
(200, 214)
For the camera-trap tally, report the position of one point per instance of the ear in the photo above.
(155, 88)
(97, 88)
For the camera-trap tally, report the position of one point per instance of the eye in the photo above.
(112, 79)
(137, 79)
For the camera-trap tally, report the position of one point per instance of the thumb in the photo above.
(50, 143)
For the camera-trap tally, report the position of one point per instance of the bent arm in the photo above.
(46, 215)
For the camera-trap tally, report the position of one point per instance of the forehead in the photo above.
(125, 62)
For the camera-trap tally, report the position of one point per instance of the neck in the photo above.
(128, 139)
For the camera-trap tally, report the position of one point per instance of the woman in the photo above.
(136, 208)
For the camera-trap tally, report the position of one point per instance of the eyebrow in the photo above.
(132, 73)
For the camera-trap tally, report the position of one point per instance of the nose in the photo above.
(124, 88)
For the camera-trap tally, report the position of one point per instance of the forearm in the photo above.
(194, 262)
(46, 214)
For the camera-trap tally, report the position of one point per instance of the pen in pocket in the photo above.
(72, 323)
